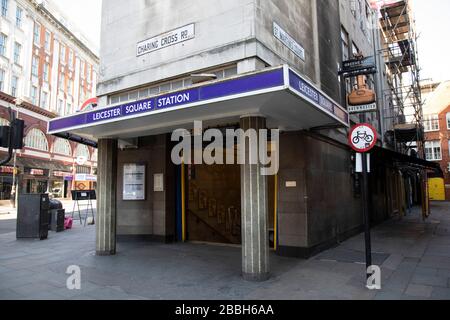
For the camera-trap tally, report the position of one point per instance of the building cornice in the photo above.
(4, 97)
(40, 8)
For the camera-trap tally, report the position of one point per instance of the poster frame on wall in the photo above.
(134, 176)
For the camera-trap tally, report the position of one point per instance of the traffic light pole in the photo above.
(10, 140)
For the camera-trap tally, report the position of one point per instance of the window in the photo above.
(17, 52)
(433, 150)
(70, 86)
(44, 100)
(82, 70)
(36, 139)
(89, 74)
(68, 108)
(2, 79)
(448, 121)
(431, 123)
(35, 66)
(4, 122)
(47, 41)
(60, 107)
(355, 49)
(82, 151)
(46, 73)
(61, 81)
(37, 34)
(4, 8)
(70, 58)
(62, 54)
(82, 94)
(14, 86)
(94, 157)
(19, 12)
(3, 40)
(62, 147)
(345, 44)
(33, 94)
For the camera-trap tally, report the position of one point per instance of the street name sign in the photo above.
(166, 40)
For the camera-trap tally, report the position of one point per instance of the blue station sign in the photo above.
(247, 85)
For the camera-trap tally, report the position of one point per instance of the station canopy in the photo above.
(285, 98)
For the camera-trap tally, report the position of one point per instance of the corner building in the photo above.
(231, 64)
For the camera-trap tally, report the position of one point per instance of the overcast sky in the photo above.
(86, 14)
(433, 24)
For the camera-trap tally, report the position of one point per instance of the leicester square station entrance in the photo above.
(309, 204)
(213, 212)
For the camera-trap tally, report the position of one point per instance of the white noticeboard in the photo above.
(133, 182)
(158, 182)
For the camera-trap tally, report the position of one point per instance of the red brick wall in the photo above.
(443, 135)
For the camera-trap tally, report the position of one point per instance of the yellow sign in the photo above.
(436, 189)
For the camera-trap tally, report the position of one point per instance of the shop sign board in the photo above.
(37, 172)
(356, 67)
(85, 177)
(6, 170)
(362, 108)
(61, 174)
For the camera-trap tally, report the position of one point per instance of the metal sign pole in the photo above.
(366, 216)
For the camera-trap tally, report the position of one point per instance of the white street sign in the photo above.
(362, 108)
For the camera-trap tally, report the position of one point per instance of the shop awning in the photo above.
(392, 156)
(285, 98)
(39, 164)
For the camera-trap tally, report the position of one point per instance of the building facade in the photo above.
(46, 70)
(359, 35)
(437, 134)
(229, 64)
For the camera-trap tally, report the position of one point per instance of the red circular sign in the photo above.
(363, 137)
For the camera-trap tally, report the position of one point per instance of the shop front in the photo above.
(59, 185)
(35, 180)
(6, 182)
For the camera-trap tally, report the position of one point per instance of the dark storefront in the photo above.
(36, 176)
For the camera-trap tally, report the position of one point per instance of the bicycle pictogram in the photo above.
(362, 135)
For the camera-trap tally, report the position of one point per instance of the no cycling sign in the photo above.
(363, 137)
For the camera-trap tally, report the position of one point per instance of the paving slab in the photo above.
(412, 256)
(417, 290)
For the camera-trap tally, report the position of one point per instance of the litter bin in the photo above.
(32, 216)
(57, 215)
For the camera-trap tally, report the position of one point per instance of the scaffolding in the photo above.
(403, 94)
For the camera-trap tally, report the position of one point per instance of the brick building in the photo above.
(437, 128)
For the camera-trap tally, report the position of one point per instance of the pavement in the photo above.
(414, 257)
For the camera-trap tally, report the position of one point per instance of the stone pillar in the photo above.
(106, 197)
(254, 202)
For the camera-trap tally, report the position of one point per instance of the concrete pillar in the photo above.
(106, 197)
(254, 202)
